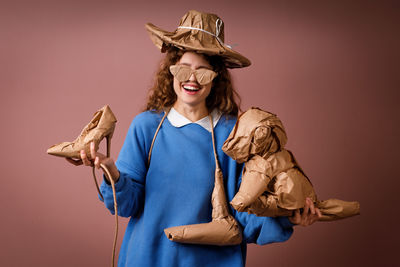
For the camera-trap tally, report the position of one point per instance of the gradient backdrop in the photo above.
(329, 69)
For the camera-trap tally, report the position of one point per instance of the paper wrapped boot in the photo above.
(222, 230)
(273, 184)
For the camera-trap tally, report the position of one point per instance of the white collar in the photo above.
(178, 120)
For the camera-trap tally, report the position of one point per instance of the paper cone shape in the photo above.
(223, 230)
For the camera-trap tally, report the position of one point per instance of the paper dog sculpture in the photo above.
(273, 184)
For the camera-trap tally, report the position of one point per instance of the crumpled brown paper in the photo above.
(273, 184)
(203, 40)
(222, 230)
(102, 125)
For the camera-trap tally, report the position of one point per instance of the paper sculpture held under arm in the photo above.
(273, 184)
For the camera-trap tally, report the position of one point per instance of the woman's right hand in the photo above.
(99, 158)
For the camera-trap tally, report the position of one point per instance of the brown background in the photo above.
(329, 69)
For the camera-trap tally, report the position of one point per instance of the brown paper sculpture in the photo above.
(222, 230)
(273, 184)
(102, 125)
(201, 32)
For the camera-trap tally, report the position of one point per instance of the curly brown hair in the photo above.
(222, 96)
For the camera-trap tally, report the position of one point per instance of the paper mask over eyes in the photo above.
(182, 73)
(273, 184)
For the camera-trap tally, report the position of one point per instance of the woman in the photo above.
(174, 187)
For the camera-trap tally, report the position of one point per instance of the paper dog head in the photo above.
(258, 133)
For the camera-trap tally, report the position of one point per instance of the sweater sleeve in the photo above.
(264, 230)
(131, 163)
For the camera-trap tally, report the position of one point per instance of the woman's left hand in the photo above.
(310, 214)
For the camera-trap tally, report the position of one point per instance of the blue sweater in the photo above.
(175, 189)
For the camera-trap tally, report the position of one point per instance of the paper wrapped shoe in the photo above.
(102, 125)
(273, 184)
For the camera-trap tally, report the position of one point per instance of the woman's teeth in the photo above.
(191, 88)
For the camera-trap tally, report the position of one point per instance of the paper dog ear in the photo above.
(268, 138)
(261, 140)
(260, 135)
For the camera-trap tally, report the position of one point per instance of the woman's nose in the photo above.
(192, 78)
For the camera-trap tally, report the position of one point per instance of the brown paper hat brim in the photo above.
(195, 40)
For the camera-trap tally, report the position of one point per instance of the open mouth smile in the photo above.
(191, 88)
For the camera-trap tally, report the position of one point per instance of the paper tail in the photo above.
(336, 209)
(331, 209)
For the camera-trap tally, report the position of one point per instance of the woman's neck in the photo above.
(193, 113)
